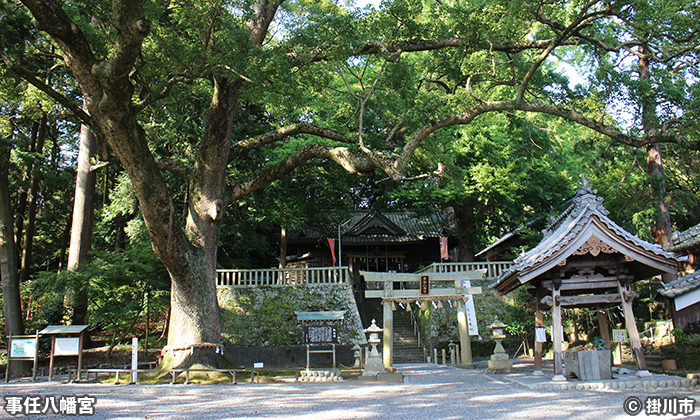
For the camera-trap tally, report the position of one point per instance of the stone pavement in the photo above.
(428, 392)
(626, 379)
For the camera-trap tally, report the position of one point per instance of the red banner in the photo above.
(331, 243)
(444, 253)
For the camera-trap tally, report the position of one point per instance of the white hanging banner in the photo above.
(469, 308)
(540, 335)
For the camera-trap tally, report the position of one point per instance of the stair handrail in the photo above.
(416, 331)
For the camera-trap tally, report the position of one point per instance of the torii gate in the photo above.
(461, 292)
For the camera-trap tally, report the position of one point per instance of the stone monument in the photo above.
(500, 362)
(374, 364)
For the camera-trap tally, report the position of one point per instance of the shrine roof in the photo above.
(380, 227)
(585, 217)
(681, 241)
(681, 285)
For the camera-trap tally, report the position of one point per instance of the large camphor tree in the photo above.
(363, 89)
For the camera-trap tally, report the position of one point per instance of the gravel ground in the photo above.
(428, 392)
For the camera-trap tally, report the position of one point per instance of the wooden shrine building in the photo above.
(399, 241)
(586, 260)
(683, 294)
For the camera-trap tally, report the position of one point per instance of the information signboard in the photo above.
(320, 334)
(67, 346)
(23, 348)
(619, 336)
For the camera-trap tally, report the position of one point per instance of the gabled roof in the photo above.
(509, 240)
(393, 227)
(375, 222)
(681, 241)
(376, 227)
(681, 285)
(584, 228)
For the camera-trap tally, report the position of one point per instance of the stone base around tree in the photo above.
(320, 376)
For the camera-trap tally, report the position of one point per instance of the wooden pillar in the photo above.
(636, 343)
(80, 352)
(539, 323)
(388, 349)
(557, 334)
(603, 327)
(53, 348)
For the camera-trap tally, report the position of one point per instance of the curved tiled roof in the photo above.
(371, 227)
(401, 226)
(687, 239)
(566, 229)
(681, 285)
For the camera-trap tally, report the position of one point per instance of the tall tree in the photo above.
(8, 253)
(501, 173)
(128, 56)
(33, 199)
(82, 220)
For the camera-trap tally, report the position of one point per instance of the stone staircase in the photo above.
(406, 349)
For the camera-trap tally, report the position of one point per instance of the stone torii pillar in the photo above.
(465, 344)
(388, 324)
(459, 293)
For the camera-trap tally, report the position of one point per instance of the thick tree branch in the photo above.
(398, 166)
(389, 49)
(350, 161)
(48, 90)
(179, 169)
(283, 133)
(77, 53)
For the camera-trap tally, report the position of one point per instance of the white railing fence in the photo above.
(282, 277)
(493, 268)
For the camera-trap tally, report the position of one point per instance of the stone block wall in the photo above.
(264, 316)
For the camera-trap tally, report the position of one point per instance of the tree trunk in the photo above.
(22, 200)
(26, 264)
(195, 317)
(8, 263)
(83, 221)
(466, 226)
(663, 229)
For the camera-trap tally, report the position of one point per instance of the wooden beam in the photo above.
(415, 293)
(415, 277)
(581, 285)
(591, 300)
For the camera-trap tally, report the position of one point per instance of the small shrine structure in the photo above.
(586, 260)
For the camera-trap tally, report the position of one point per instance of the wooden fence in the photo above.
(282, 277)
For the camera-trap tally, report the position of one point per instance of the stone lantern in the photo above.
(374, 364)
(500, 362)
